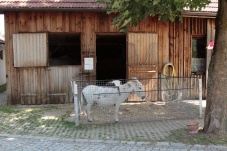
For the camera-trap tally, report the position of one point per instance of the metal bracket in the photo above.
(55, 94)
(29, 94)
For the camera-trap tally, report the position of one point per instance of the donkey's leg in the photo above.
(116, 112)
(88, 109)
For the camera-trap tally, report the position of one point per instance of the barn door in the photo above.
(142, 58)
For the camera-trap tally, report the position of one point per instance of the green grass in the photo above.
(2, 88)
(182, 136)
(8, 109)
(33, 118)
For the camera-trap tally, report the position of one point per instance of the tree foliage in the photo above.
(131, 11)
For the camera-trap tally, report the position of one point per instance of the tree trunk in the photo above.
(215, 120)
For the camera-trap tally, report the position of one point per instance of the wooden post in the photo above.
(76, 104)
(200, 98)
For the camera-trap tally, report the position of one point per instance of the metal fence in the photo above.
(165, 98)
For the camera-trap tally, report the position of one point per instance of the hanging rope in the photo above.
(170, 86)
(164, 69)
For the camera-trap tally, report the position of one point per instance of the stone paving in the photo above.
(35, 143)
(32, 142)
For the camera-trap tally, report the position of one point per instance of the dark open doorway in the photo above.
(111, 57)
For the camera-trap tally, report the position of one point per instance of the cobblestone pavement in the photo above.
(9, 142)
(35, 143)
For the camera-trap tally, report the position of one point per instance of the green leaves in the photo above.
(116, 5)
(131, 11)
(156, 2)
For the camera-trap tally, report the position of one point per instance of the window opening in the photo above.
(64, 49)
(198, 54)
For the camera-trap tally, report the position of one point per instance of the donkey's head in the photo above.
(138, 88)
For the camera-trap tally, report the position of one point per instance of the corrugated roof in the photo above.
(70, 4)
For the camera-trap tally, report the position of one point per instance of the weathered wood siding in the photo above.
(142, 48)
(38, 85)
(174, 45)
(180, 47)
(180, 42)
(198, 26)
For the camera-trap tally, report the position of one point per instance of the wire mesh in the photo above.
(165, 98)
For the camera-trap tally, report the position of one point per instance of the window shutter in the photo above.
(30, 49)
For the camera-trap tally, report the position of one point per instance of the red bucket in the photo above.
(193, 128)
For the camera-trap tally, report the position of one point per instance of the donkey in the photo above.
(107, 96)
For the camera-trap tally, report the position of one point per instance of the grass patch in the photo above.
(30, 119)
(182, 136)
(8, 109)
(2, 88)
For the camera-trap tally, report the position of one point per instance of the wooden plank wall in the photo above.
(173, 46)
(180, 47)
(32, 85)
(88, 24)
(199, 26)
(180, 42)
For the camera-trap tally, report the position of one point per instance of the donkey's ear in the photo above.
(134, 79)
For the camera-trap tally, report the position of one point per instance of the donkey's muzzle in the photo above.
(143, 97)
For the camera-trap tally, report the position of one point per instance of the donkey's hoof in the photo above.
(89, 120)
(116, 122)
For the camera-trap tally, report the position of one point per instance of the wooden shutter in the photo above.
(30, 49)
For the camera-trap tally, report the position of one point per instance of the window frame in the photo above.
(200, 61)
(76, 34)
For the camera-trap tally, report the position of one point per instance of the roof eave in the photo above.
(199, 14)
(185, 13)
(52, 9)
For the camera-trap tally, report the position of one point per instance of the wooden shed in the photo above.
(50, 42)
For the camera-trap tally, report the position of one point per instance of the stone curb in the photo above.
(164, 145)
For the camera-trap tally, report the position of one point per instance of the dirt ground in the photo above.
(142, 112)
(128, 112)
